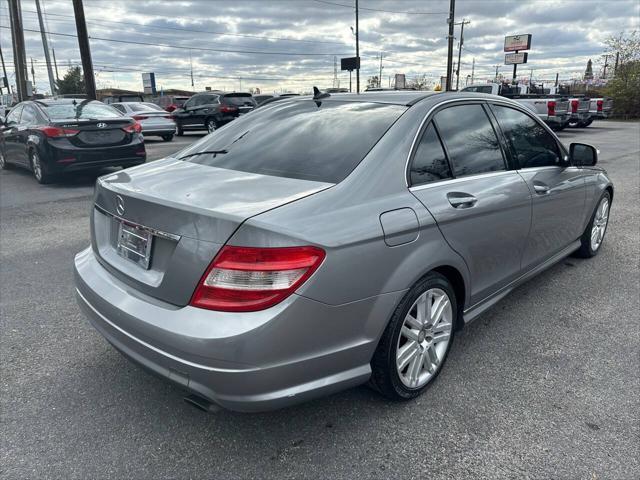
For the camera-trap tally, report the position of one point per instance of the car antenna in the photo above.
(317, 94)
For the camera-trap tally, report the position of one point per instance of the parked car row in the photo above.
(555, 109)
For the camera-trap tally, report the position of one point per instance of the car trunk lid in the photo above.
(97, 132)
(188, 211)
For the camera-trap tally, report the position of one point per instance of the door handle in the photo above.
(541, 188)
(461, 200)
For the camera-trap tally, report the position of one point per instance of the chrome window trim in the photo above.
(460, 179)
(480, 101)
(158, 233)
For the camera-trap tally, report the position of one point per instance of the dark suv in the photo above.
(210, 110)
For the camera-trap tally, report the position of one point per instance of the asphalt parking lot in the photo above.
(544, 385)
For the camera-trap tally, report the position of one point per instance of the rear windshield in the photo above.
(143, 107)
(81, 110)
(238, 100)
(321, 141)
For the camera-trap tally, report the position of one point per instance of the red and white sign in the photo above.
(517, 42)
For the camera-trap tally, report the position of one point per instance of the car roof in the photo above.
(62, 101)
(396, 97)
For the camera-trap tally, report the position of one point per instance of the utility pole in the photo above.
(462, 24)
(55, 64)
(473, 69)
(615, 68)
(19, 53)
(4, 72)
(357, 52)
(33, 76)
(191, 65)
(380, 74)
(85, 50)
(497, 67)
(52, 83)
(557, 76)
(450, 20)
(606, 64)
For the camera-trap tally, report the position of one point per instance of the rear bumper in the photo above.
(580, 116)
(158, 130)
(598, 115)
(294, 351)
(65, 157)
(556, 120)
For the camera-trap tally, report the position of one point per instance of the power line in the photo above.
(182, 47)
(378, 9)
(264, 37)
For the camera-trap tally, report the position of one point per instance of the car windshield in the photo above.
(81, 109)
(309, 140)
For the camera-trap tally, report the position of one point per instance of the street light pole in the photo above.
(450, 20)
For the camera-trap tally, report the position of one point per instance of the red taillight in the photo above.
(139, 117)
(574, 106)
(228, 109)
(551, 108)
(56, 132)
(133, 128)
(599, 104)
(247, 279)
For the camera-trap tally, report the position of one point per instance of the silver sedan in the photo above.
(151, 117)
(324, 242)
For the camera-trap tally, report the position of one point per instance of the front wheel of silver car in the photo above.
(417, 340)
(593, 236)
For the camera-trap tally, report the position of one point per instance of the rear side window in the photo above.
(303, 139)
(239, 100)
(120, 108)
(29, 116)
(429, 162)
(471, 142)
(529, 142)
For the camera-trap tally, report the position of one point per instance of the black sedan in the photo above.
(55, 136)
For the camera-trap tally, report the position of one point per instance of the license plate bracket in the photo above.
(134, 244)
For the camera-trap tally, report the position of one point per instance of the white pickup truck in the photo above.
(553, 110)
(601, 107)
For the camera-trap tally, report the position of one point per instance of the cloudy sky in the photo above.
(290, 45)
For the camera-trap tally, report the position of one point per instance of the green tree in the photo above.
(72, 82)
(624, 87)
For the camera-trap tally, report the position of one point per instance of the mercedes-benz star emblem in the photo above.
(120, 205)
(101, 125)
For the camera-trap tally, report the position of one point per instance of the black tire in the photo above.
(4, 164)
(573, 124)
(384, 373)
(586, 249)
(167, 138)
(179, 130)
(38, 168)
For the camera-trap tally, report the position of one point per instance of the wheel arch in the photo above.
(456, 280)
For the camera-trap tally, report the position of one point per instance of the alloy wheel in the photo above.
(36, 165)
(600, 221)
(2, 160)
(424, 338)
(211, 125)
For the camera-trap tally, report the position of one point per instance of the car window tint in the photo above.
(83, 109)
(471, 143)
(28, 116)
(120, 108)
(14, 115)
(429, 162)
(239, 100)
(530, 142)
(303, 139)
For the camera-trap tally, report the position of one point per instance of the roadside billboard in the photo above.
(149, 83)
(515, 58)
(517, 42)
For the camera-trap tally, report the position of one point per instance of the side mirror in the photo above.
(583, 155)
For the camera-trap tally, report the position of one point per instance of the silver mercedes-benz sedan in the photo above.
(323, 242)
